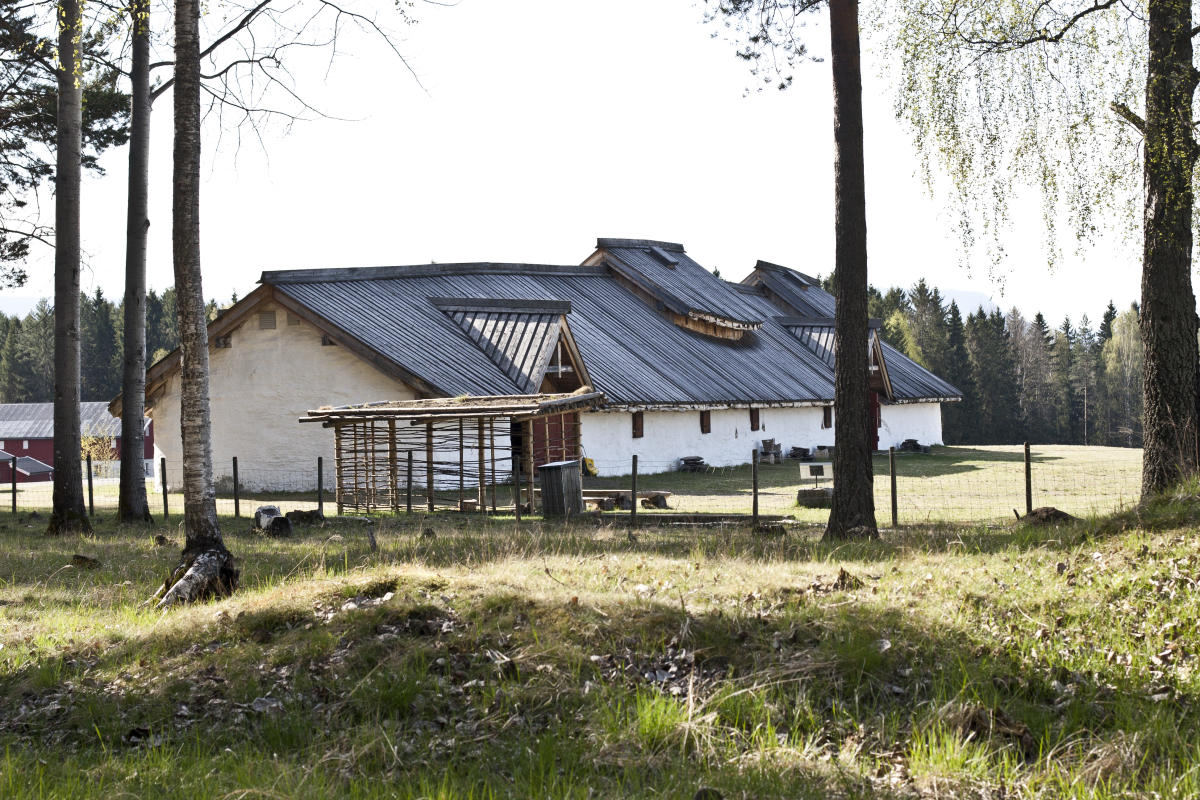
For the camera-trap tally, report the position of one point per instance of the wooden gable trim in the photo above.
(877, 347)
(573, 353)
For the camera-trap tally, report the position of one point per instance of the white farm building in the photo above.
(689, 364)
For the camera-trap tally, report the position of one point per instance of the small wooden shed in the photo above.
(449, 452)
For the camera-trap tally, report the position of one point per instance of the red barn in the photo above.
(27, 432)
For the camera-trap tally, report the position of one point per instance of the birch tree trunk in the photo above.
(132, 505)
(68, 514)
(852, 514)
(1168, 310)
(207, 568)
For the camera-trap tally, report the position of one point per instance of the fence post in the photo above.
(754, 479)
(321, 486)
(91, 497)
(892, 472)
(517, 486)
(162, 469)
(13, 466)
(1028, 483)
(408, 486)
(633, 497)
(237, 501)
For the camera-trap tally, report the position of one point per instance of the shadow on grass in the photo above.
(500, 693)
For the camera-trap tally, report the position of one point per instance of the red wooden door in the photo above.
(555, 438)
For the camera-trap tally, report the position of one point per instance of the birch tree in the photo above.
(1040, 96)
(207, 567)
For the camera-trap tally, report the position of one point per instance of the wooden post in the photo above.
(633, 498)
(408, 485)
(895, 501)
(481, 498)
(429, 465)
(754, 482)
(462, 485)
(1028, 483)
(527, 429)
(394, 468)
(91, 499)
(237, 501)
(517, 488)
(337, 468)
(13, 466)
(162, 469)
(321, 485)
(492, 439)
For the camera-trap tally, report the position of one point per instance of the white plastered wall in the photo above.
(259, 388)
(920, 421)
(670, 435)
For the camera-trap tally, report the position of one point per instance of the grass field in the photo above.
(952, 484)
(488, 660)
(959, 484)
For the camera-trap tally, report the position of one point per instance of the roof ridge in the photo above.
(345, 274)
(606, 243)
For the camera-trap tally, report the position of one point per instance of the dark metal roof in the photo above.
(634, 354)
(27, 465)
(438, 322)
(799, 291)
(668, 274)
(817, 307)
(911, 381)
(36, 420)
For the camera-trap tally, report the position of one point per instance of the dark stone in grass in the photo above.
(707, 793)
(160, 540)
(429, 533)
(314, 517)
(84, 562)
(1047, 515)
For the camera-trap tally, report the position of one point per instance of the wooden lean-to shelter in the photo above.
(451, 451)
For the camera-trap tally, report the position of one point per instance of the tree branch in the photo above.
(1124, 112)
(1042, 34)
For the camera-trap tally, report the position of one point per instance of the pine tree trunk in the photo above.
(132, 505)
(1168, 311)
(852, 514)
(68, 515)
(207, 567)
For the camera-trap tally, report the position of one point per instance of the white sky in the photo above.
(547, 124)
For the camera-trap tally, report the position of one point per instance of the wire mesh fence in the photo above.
(949, 484)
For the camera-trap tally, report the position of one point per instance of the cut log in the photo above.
(271, 521)
(211, 573)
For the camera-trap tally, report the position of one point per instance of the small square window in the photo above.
(223, 342)
(293, 319)
(754, 420)
(638, 430)
(25, 445)
(266, 321)
(706, 422)
(827, 417)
